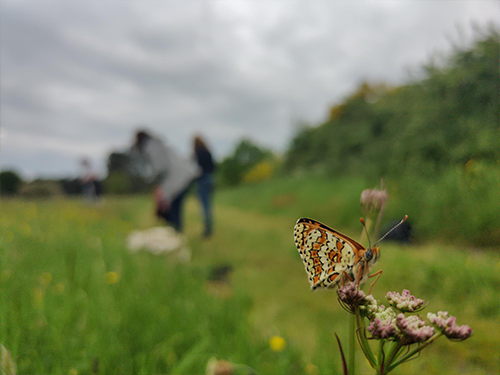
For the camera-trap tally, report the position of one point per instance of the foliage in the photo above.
(74, 299)
(442, 121)
(10, 182)
(123, 178)
(232, 169)
(117, 182)
(159, 317)
(71, 186)
(260, 172)
(118, 162)
(435, 141)
(460, 205)
(256, 222)
(41, 189)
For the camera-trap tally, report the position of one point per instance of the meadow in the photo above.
(74, 300)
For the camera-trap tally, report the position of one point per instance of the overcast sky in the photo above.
(77, 77)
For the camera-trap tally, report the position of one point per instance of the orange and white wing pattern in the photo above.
(328, 256)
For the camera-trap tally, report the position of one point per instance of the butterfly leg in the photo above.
(378, 273)
(345, 276)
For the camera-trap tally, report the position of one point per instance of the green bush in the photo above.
(117, 183)
(459, 205)
(42, 189)
(10, 182)
(232, 169)
(428, 126)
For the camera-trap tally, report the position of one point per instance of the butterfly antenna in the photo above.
(362, 221)
(394, 227)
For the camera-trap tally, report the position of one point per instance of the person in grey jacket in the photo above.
(172, 173)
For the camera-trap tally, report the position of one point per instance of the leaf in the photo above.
(344, 363)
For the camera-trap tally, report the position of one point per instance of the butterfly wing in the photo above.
(329, 256)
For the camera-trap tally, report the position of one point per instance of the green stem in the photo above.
(390, 357)
(363, 341)
(414, 351)
(352, 344)
(381, 357)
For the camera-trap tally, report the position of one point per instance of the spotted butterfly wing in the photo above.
(328, 256)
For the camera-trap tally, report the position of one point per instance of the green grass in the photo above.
(160, 318)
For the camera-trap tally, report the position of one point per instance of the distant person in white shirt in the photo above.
(172, 173)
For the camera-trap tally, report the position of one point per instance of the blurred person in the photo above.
(91, 186)
(172, 174)
(205, 182)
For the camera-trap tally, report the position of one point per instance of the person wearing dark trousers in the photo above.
(172, 174)
(205, 182)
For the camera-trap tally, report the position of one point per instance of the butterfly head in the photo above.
(371, 255)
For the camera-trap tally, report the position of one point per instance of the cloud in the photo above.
(78, 77)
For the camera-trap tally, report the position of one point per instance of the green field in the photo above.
(73, 300)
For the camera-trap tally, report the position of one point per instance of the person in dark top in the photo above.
(205, 182)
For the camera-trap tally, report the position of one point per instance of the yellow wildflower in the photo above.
(112, 277)
(277, 343)
(73, 372)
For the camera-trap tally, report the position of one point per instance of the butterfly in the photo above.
(331, 257)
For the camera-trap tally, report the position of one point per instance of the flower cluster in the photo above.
(381, 328)
(405, 302)
(391, 323)
(412, 329)
(370, 307)
(350, 296)
(446, 324)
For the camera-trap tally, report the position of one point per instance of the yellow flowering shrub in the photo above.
(260, 172)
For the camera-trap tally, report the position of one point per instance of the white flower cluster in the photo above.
(405, 302)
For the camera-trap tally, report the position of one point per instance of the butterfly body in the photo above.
(330, 257)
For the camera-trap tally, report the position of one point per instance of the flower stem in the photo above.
(393, 353)
(352, 343)
(413, 352)
(363, 342)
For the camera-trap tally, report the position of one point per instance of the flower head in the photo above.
(112, 277)
(405, 302)
(447, 325)
(369, 307)
(373, 200)
(412, 329)
(277, 343)
(383, 324)
(382, 329)
(350, 296)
